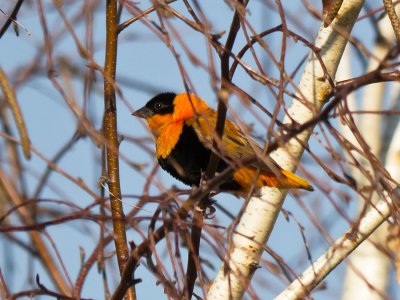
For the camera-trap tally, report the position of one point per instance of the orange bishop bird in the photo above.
(183, 127)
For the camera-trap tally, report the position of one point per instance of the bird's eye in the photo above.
(158, 105)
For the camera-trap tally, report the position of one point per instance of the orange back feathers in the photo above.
(188, 106)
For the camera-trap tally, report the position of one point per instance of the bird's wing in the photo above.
(236, 147)
(234, 144)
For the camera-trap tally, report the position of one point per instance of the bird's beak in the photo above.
(143, 112)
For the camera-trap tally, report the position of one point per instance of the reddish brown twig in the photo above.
(111, 136)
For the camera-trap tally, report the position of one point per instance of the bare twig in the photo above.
(11, 18)
(41, 247)
(11, 99)
(111, 135)
(394, 19)
(125, 24)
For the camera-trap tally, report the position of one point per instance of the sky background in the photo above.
(146, 67)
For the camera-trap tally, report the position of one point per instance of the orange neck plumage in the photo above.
(167, 128)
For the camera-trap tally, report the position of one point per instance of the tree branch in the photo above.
(339, 250)
(111, 136)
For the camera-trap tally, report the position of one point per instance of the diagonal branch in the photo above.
(313, 276)
(9, 95)
(11, 18)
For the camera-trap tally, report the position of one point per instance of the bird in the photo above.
(183, 127)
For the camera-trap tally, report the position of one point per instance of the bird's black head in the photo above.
(161, 104)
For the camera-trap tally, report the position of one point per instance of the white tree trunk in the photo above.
(261, 213)
(368, 270)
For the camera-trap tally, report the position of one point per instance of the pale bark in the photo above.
(337, 252)
(367, 274)
(259, 218)
(393, 156)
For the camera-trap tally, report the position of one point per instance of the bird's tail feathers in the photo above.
(286, 180)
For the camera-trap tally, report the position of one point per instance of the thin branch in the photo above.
(11, 99)
(194, 249)
(393, 17)
(111, 135)
(125, 24)
(37, 241)
(11, 18)
(59, 155)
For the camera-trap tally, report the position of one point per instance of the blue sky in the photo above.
(146, 67)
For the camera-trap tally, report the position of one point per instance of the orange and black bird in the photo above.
(183, 127)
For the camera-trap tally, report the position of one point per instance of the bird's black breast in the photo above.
(189, 158)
